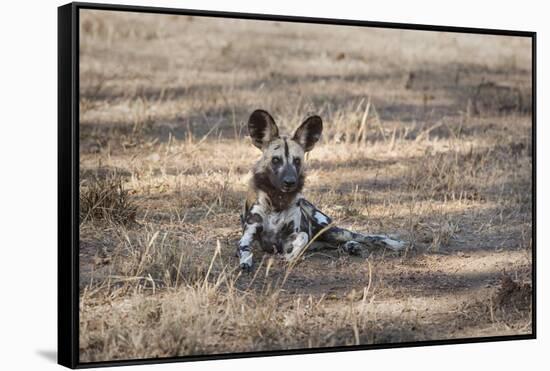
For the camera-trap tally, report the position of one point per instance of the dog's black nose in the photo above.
(289, 182)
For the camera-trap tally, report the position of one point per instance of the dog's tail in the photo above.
(341, 235)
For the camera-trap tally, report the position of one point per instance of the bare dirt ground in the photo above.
(427, 136)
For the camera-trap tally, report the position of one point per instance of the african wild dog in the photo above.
(276, 217)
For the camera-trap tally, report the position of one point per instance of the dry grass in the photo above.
(427, 136)
(106, 200)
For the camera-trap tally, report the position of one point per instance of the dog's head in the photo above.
(281, 165)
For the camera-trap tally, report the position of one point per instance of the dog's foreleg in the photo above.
(252, 227)
(245, 246)
(346, 237)
(295, 245)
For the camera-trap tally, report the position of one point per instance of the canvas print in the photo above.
(257, 185)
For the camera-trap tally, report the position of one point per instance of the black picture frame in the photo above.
(68, 179)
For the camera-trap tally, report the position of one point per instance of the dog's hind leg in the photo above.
(349, 240)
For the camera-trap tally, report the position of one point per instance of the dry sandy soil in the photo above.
(427, 136)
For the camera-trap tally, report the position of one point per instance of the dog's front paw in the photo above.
(245, 260)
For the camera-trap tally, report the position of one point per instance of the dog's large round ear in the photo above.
(309, 132)
(262, 128)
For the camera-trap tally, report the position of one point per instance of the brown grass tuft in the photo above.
(106, 200)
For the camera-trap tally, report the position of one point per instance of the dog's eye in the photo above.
(297, 162)
(276, 160)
